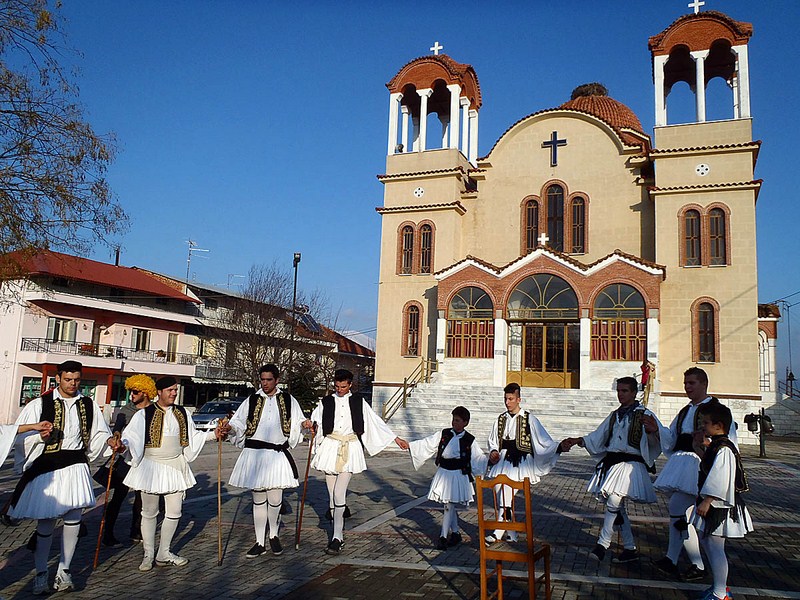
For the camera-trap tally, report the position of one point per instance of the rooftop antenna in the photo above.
(192, 249)
(232, 276)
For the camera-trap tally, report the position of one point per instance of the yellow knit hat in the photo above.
(143, 383)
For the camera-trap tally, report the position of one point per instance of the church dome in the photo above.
(593, 98)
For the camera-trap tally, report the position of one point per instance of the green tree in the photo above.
(53, 191)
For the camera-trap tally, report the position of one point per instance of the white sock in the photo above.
(274, 500)
(260, 516)
(69, 538)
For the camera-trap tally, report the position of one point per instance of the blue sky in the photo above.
(257, 128)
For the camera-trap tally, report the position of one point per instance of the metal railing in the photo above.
(106, 351)
(790, 389)
(421, 374)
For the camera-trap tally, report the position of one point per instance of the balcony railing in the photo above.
(106, 351)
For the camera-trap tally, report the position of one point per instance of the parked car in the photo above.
(207, 416)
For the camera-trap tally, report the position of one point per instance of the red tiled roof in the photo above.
(756, 144)
(57, 264)
(457, 205)
(346, 345)
(766, 311)
(675, 188)
(459, 71)
(415, 173)
(742, 29)
(611, 111)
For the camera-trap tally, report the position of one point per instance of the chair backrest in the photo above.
(486, 525)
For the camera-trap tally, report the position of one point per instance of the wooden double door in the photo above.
(550, 355)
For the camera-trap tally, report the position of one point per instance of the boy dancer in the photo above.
(349, 425)
(266, 425)
(519, 447)
(626, 448)
(679, 476)
(458, 456)
(56, 482)
(162, 440)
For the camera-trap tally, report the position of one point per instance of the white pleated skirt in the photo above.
(525, 469)
(154, 477)
(451, 486)
(54, 494)
(261, 469)
(325, 457)
(679, 474)
(626, 479)
(728, 528)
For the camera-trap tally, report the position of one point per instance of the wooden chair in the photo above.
(532, 554)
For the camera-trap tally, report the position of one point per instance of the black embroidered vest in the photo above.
(154, 425)
(635, 429)
(684, 440)
(256, 407)
(523, 442)
(716, 515)
(53, 411)
(356, 413)
(464, 460)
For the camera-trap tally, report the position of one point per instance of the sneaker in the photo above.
(693, 574)
(598, 553)
(442, 543)
(275, 546)
(40, 585)
(491, 539)
(666, 566)
(626, 556)
(454, 539)
(136, 537)
(63, 582)
(513, 536)
(147, 563)
(111, 541)
(256, 551)
(171, 560)
(335, 546)
(710, 595)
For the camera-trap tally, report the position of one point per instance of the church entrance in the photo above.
(544, 334)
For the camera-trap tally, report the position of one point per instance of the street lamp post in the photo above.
(296, 262)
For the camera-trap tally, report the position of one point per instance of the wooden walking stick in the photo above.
(219, 496)
(305, 489)
(105, 503)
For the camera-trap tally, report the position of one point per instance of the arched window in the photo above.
(470, 324)
(542, 297)
(531, 225)
(619, 328)
(691, 237)
(425, 249)
(411, 327)
(716, 237)
(706, 333)
(407, 250)
(555, 217)
(578, 245)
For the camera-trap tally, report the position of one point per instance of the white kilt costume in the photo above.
(627, 479)
(8, 434)
(51, 495)
(448, 485)
(260, 468)
(535, 465)
(680, 472)
(377, 436)
(720, 484)
(162, 470)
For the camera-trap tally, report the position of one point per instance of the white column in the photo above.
(404, 130)
(473, 136)
(394, 103)
(653, 333)
(441, 337)
(424, 94)
(743, 71)
(699, 57)
(415, 134)
(455, 93)
(500, 349)
(585, 351)
(445, 121)
(659, 62)
(734, 83)
(773, 378)
(464, 126)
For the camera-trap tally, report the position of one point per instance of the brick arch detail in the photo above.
(695, 321)
(682, 233)
(399, 255)
(418, 245)
(546, 270)
(624, 280)
(523, 222)
(404, 338)
(706, 227)
(469, 283)
(568, 200)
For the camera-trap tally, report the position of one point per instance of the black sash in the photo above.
(614, 458)
(684, 443)
(463, 462)
(47, 463)
(356, 413)
(284, 447)
(513, 454)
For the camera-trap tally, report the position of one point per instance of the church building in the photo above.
(580, 248)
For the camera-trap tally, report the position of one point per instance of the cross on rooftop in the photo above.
(553, 143)
(696, 4)
(543, 239)
(435, 48)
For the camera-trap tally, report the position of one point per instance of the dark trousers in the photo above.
(115, 504)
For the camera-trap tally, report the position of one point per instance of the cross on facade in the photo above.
(553, 143)
(543, 239)
(696, 4)
(436, 47)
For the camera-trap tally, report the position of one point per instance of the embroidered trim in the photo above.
(156, 428)
(252, 423)
(58, 427)
(524, 442)
(283, 400)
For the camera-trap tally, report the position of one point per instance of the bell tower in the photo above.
(434, 84)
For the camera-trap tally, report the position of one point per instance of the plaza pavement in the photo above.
(389, 542)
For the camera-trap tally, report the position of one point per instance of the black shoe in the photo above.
(626, 556)
(136, 537)
(347, 513)
(8, 521)
(256, 551)
(442, 543)
(454, 539)
(598, 553)
(693, 574)
(82, 531)
(111, 541)
(329, 514)
(275, 546)
(334, 546)
(666, 566)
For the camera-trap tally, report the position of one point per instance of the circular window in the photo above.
(702, 169)
(419, 192)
